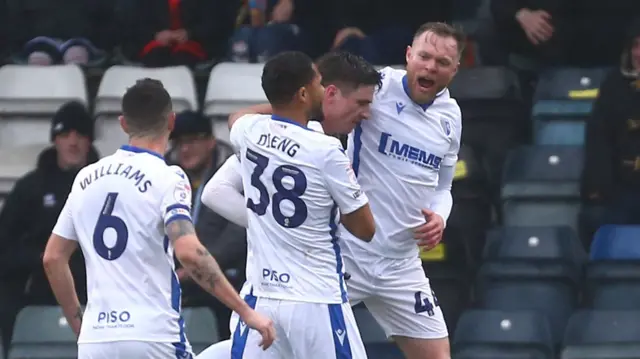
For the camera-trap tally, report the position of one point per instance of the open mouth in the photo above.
(425, 83)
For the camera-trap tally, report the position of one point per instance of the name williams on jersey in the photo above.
(117, 170)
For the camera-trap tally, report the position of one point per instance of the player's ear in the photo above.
(330, 92)
(303, 94)
(172, 121)
(123, 124)
(407, 55)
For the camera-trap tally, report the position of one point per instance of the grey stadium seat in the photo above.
(231, 87)
(491, 334)
(30, 95)
(541, 186)
(16, 162)
(200, 327)
(602, 335)
(42, 333)
(178, 81)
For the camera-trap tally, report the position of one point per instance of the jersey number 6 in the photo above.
(282, 193)
(107, 220)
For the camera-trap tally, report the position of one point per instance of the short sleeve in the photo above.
(176, 201)
(451, 157)
(236, 134)
(341, 181)
(64, 226)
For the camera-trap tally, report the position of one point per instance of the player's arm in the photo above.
(223, 193)
(341, 181)
(60, 247)
(442, 201)
(263, 109)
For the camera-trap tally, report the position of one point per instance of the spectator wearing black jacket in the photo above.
(31, 211)
(196, 150)
(611, 174)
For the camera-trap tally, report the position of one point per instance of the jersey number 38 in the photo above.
(282, 193)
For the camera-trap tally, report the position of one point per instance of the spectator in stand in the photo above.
(381, 30)
(611, 176)
(175, 32)
(530, 27)
(47, 32)
(196, 150)
(264, 28)
(31, 211)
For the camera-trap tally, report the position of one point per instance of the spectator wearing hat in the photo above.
(31, 211)
(196, 150)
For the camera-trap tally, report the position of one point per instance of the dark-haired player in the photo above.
(296, 180)
(128, 212)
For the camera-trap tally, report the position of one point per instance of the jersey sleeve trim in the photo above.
(178, 212)
(177, 206)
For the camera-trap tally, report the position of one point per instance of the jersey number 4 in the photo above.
(107, 220)
(282, 193)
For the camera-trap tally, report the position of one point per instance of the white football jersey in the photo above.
(396, 155)
(295, 181)
(117, 211)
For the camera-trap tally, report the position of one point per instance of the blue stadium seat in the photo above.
(602, 335)
(612, 242)
(491, 334)
(200, 327)
(614, 265)
(42, 333)
(541, 186)
(562, 102)
(375, 341)
(561, 132)
(542, 245)
(553, 301)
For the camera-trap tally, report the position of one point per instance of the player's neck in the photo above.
(156, 145)
(294, 115)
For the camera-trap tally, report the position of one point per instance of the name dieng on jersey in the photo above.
(286, 145)
(402, 151)
(117, 170)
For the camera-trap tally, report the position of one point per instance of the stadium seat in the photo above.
(542, 245)
(42, 333)
(16, 162)
(200, 327)
(233, 86)
(541, 186)
(30, 95)
(613, 242)
(562, 102)
(495, 117)
(178, 81)
(614, 266)
(561, 132)
(616, 296)
(492, 334)
(375, 341)
(602, 335)
(554, 301)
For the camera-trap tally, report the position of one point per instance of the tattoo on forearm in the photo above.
(179, 228)
(206, 270)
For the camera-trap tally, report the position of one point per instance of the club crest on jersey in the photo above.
(404, 152)
(446, 126)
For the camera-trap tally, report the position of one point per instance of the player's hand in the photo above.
(536, 25)
(345, 33)
(164, 37)
(263, 325)
(429, 234)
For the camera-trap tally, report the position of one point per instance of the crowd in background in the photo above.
(525, 35)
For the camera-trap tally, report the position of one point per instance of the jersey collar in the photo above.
(424, 106)
(135, 149)
(282, 119)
